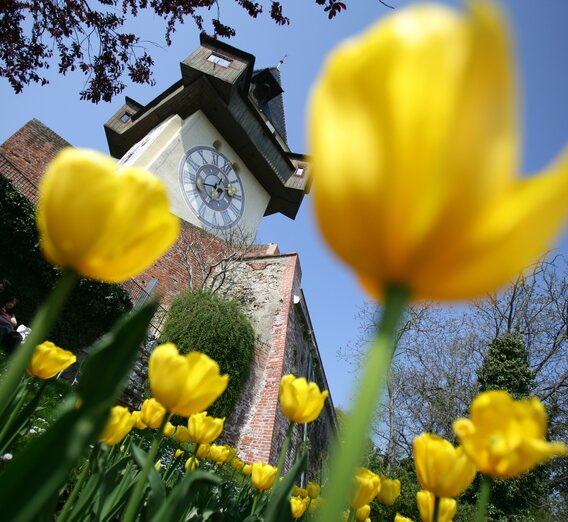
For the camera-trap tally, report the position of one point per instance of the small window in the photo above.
(125, 117)
(299, 172)
(219, 60)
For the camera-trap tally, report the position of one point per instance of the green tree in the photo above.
(506, 367)
(200, 320)
(93, 307)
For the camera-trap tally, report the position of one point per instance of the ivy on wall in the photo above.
(200, 320)
(92, 307)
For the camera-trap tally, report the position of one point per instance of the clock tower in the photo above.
(217, 139)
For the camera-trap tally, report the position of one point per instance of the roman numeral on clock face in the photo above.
(227, 167)
(192, 164)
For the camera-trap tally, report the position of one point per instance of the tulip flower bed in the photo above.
(426, 99)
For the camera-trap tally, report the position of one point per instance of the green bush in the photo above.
(199, 320)
(93, 306)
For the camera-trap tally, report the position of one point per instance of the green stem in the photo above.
(484, 494)
(352, 513)
(193, 457)
(138, 493)
(283, 452)
(69, 504)
(40, 328)
(256, 498)
(436, 508)
(170, 469)
(347, 456)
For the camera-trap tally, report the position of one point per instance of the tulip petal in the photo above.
(76, 192)
(511, 235)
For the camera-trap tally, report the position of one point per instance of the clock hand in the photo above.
(219, 187)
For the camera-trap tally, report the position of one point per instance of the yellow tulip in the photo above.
(152, 413)
(425, 501)
(363, 513)
(169, 429)
(301, 401)
(504, 437)
(313, 490)
(182, 434)
(192, 463)
(415, 149)
(315, 505)
(138, 424)
(178, 453)
(203, 451)
(237, 464)
(184, 384)
(399, 518)
(106, 223)
(298, 506)
(299, 492)
(220, 454)
(442, 469)
(204, 429)
(247, 470)
(118, 425)
(48, 360)
(389, 492)
(263, 475)
(232, 452)
(367, 485)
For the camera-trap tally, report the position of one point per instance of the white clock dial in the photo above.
(211, 187)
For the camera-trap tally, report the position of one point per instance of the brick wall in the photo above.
(28, 151)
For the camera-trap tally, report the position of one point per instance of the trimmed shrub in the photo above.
(93, 307)
(200, 320)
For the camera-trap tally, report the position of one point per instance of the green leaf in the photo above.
(18, 396)
(31, 479)
(84, 502)
(29, 483)
(157, 494)
(183, 494)
(116, 488)
(278, 509)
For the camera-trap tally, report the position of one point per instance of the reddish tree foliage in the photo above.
(90, 36)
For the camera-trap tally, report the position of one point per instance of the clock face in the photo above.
(211, 187)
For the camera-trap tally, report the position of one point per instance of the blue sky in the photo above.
(332, 293)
